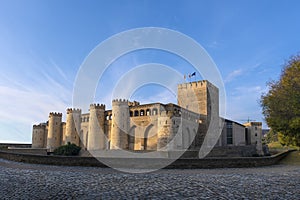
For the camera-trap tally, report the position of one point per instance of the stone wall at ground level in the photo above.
(6, 145)
(144, 162)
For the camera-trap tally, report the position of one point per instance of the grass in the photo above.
(292, 159)
(278, 146)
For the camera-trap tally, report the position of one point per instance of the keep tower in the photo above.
(200, 97)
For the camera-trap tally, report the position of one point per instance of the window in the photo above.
(229, 133)
(136, 113)
(142, 113)
(154, 111)
(148, 112)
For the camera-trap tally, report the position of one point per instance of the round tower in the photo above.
(120, 124)
(54, 131)
(38, 136)
(96, 136)
(73, 125)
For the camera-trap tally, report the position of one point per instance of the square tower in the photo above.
(200, 97)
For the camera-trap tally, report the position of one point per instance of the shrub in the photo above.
(67, 150)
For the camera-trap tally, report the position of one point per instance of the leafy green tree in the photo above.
(271, 137)
(67, 150)
(281, 104)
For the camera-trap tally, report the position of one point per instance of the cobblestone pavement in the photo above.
(28, 181)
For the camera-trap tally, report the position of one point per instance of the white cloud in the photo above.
(243, 103)
(164, 97)
(231, 76)
(215, 44)
(27, 99)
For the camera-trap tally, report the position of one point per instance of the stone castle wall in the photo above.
(132, 126)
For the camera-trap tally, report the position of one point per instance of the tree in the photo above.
(281, 104)
(67, 150)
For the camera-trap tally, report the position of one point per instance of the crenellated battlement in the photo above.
(133, 103)
(195, 84)
(120, 102)
(36, 126)
(55, 114)
(97, 106)
(73, 110)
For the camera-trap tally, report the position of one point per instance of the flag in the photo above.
(193, 74)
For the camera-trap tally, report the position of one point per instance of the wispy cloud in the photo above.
(214, 44)
(164, 96)
(28, 99)
(232, 75)
(243, 103)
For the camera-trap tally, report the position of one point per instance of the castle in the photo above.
(151, 127)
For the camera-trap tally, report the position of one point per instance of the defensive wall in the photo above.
(17, 145)
(182, 163)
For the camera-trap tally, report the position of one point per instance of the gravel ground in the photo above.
(30, 181)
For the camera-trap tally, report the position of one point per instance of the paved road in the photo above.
(28, 181)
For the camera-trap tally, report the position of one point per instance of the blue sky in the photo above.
(43, 44)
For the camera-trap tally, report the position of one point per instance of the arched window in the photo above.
(110, 116)
(131, 113)
(107, 117)
(136, 113)
(148, 112)
(142, 112)
(154, 111)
